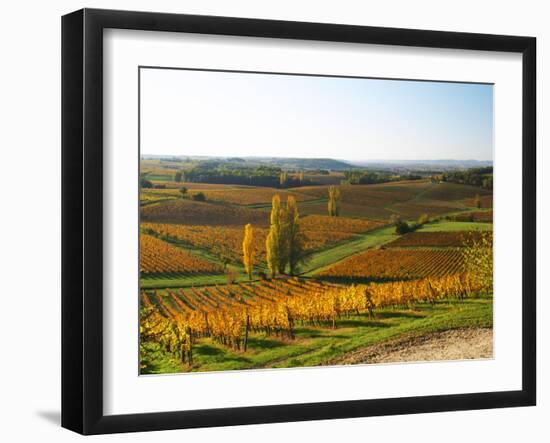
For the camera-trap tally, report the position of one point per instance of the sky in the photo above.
(226, 114)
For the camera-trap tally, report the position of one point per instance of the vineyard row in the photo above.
(228, 314)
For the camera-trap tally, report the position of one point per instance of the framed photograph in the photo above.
(268, 221)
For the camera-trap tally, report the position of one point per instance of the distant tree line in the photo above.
(482, 177)
(171, 159)
(365, 177)
(234, 174)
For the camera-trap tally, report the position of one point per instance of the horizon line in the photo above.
(318, 158)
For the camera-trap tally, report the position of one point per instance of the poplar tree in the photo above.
(293, 236)
(330, 202)
(248, 250)
(284, 244)
(477, 201)
(282, 247)
(333, 201)
(273, 239)
(337, 202)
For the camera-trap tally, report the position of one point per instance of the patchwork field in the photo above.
(485, 201)
(226, 241)
(397, 264)
(157, 256)
(211, 301)
(476, 216)
(436, 239)
(188, 212)
(407, 199)
(251, 196)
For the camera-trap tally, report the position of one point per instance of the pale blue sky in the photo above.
(238, 114)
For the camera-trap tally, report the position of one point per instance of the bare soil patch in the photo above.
(458, 344)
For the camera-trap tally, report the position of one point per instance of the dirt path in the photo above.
(459, 344)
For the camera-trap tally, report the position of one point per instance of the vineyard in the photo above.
(157, 256)
(415, 209)
(305, 284)
(250, 195)
(148, 196)
(229, 314)
(226, 241)
(485, 200)
(476, 216)
(145, 199)
(406, 198)
(338, 224)
(373, 195)
(436, 239)
(190, 212)
(382, 264)
(219, 240)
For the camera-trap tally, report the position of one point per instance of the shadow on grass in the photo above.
(327, 331)
(399, 314)
(208, 350)
(263, 343)
(212, 354)
(353, 323)
(329, 335)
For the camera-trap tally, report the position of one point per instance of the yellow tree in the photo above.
(477, 201)
(273, 240)
(333, 201)
(294, 244)
(248, 250)
(478, 259)
(423, 219)
(337, 202)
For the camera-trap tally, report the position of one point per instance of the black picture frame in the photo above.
(82, 218)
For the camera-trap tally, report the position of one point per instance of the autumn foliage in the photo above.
(157, 256)
(248, 250)
(228, 313)
(380, 264)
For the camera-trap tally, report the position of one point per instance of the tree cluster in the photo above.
(197, 196)
(482, 177)
(402, 227)
(366, 177)
(284, 242)
(239, 174)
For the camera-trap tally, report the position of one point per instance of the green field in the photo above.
(317, 261)
(456, 226)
